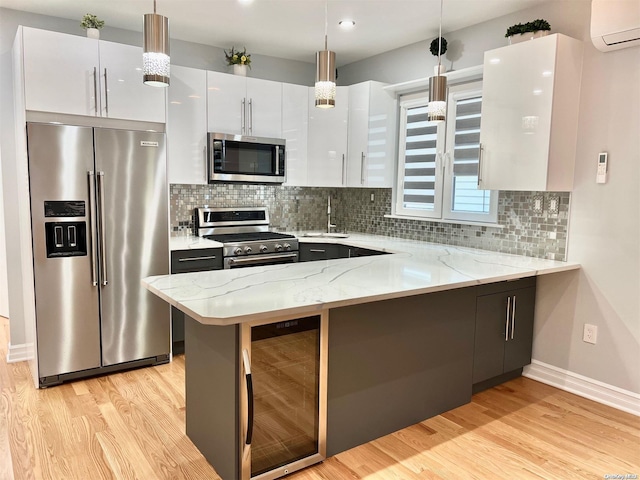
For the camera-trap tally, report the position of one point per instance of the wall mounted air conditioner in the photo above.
(615, 24)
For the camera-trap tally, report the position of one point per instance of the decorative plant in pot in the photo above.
(92, 24)
(240, 60)
(527, 31)
(433, 48)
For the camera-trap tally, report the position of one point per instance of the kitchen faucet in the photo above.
(329, 224)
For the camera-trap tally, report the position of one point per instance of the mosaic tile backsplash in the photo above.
(526, 231)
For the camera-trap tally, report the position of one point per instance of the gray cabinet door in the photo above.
(517, 350)
(491, 324)
(310, 252)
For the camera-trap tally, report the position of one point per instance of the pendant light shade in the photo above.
(155, 56)
(325, 88)
(437, 107)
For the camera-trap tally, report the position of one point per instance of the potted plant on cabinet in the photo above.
(528, 31)
(433, 48)
(92, 24)
(240, 60)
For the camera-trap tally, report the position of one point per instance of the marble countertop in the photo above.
(225, 297)
(181, 241)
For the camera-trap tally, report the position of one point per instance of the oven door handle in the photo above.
(260, 258)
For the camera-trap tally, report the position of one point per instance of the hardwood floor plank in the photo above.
(132, 425)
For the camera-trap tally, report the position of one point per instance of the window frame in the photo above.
(444, 178)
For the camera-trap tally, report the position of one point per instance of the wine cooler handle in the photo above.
(247, 376)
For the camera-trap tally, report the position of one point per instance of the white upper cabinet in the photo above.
(123, 93)
(295, 119)
(60, 72)
(371, 133)
(530, 100)
(327, 141)
(187, 126)
(244, 106)
(82, 76)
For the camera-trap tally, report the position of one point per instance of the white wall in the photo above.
(4, 288)
(604, 222)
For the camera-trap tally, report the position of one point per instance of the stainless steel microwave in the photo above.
(241, 158)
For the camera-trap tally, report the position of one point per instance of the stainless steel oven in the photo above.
(246, 238)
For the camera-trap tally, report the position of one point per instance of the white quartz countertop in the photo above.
(180, 241)
(225, 297)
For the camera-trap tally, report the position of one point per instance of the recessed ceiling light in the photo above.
(347, 24)
(245, 2)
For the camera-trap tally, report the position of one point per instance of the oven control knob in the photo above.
(263, 248)
(287, 247)
(278, 247)
(237, 251)
(247, 250)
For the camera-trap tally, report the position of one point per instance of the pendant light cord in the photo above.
(439, 36)
(326, 22)
(154, 7)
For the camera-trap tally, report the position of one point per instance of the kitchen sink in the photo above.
(325, 235)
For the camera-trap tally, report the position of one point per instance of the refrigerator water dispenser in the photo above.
(66, 239)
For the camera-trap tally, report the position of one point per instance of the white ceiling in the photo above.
(291, 29)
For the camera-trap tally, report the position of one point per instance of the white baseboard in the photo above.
(19, 353)
(585, 387)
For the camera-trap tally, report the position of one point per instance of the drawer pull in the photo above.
(193, 259)
(316, 250)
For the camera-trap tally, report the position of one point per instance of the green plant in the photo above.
(238, 57)
(433, 48)
(520, 28)
(91, 21)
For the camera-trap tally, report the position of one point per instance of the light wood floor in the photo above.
(131, 425)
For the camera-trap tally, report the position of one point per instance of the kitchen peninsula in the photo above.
(402, 333)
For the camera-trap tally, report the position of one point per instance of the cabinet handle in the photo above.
(249, 381)
(316, 250)
(242, 116)
(95, 88)
(506, 326)
(513, 316)
(193, 259)
(343, 169)
(251, 116)
(106, 94)
(362, 169)
(480, 152)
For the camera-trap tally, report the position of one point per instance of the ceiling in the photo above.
(291, 29)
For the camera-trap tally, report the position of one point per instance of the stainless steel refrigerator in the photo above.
(100, 224)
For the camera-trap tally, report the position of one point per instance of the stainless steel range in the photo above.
(245, 235)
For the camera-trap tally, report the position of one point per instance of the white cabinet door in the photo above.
(244, 106)
(187, 126)
(60, 72)
(530, 101)
(372, 127)
(226, 99)
(327, 148)
(123, 93)
(295, 119)
(264, 108)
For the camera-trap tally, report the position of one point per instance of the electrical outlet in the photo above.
(590, 333)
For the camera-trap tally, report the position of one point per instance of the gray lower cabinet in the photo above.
(397, 362)
(309, 252)
(184, 261)
(504, 331)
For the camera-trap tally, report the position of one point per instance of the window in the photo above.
(438, 161)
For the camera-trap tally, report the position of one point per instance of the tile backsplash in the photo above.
(524, 230)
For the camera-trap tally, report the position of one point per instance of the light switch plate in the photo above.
(538, 204)
(553, 204)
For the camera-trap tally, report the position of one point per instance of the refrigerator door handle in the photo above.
(103, 241)
(249, 423)
(92, 226)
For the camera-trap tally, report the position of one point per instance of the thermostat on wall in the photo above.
(601, 177)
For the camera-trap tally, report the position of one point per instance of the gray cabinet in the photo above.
(504, 330)
(395, 363)
(309, 252)
(185, 261)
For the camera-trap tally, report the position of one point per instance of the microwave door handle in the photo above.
(277, 159)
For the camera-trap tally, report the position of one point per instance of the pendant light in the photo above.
(437, 107)
(325, 88)
(155, 56)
